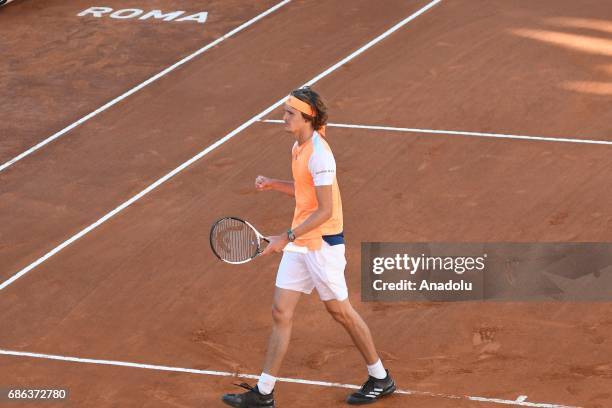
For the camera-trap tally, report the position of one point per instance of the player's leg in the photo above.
(327, 269)
(344, 313)
(262, 395)
(285, 302)
(292, 280)
(379, 382)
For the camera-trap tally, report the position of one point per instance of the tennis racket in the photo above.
(236, 241)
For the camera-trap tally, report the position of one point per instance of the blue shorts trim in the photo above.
(335, 239)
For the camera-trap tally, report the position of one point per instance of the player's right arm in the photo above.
(263, 183)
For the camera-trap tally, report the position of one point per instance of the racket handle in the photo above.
(291, 247)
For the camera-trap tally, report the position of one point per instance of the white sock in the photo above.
(266, 382)
(377, 370)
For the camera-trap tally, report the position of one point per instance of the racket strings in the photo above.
(234, 241)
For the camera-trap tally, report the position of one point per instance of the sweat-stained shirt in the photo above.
(313, 164)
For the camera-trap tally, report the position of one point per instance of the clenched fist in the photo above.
(263, 183)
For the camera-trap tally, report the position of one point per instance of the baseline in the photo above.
(520, 401)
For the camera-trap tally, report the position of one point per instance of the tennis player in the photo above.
(317, 225)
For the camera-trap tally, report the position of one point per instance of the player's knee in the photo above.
(342, 316)
(281, 316)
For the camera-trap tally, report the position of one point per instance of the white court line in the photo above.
(210, 148)
(142, 85)
(461, 133)
(518, 402)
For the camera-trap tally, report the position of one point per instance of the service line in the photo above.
(210, 148)
(460, 133)
(142, 85)
(520, 401)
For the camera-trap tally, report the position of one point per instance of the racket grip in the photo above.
(291, 247)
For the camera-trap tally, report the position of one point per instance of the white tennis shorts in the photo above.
(322, 269)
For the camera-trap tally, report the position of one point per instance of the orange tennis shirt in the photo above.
(312, 165)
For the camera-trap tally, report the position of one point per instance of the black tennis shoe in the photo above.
(372, 390)
(250, 399)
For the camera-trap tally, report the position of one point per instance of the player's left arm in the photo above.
(322, 213)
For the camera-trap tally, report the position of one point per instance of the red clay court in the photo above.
(127, 131)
